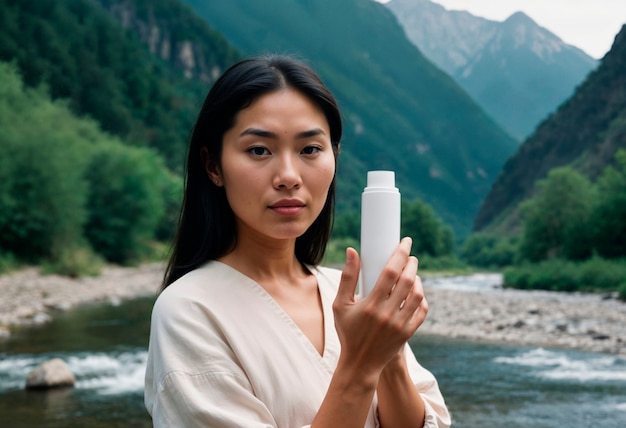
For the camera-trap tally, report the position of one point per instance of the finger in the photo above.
(349, 276)
(393, 269)
(414, 297)
(407, 277)
(405, 283)
(419, 315)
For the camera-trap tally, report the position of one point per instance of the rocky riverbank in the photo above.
(474, 307)
(30, 298)
(479, 308)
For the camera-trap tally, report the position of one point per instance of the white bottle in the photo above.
(380, 226)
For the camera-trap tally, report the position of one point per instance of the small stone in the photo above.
(519, 324)
(562, 327)
(53, 373)
(5, 333)
(601, 337)
(41, 318)
(24, 312)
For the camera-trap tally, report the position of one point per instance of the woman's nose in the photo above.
(287, 175)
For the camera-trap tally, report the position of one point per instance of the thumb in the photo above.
(349, 276)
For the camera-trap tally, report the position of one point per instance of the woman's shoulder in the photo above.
(195, 286)
(193, 278)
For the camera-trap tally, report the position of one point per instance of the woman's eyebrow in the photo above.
(259, 133)
(311, 133)
(269, 134)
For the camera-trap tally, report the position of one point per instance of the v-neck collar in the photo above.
(331, 346)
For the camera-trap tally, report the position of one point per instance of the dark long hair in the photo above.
(206, 227)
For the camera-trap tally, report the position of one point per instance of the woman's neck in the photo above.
(265, 262)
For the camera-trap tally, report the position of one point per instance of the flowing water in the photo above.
(485, 385)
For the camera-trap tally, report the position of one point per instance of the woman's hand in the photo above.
(373, 331)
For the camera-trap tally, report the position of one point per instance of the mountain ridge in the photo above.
(518, 71)
(585, 133)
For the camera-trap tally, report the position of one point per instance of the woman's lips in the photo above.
(287, 207)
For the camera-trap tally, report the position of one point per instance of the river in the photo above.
(485, 385)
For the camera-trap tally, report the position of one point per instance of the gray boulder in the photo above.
(50, 374)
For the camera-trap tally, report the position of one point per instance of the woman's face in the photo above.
(277, 165)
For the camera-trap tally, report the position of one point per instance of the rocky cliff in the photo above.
(172, 32)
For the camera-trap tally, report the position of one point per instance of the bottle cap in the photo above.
(384, 179)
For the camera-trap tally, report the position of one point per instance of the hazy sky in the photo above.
(590, 25)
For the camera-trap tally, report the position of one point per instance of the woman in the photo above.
(248, 330)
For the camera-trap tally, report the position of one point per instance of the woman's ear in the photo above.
(211, 167)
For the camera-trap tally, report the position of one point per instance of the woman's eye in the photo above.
(259, 151)
(311, 150)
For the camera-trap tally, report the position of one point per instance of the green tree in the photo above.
(172, 198)
(42, 159)
(430, 235)
(489, 250)
(126, 201)
(347, 225)
(609, 215)
(557, 220)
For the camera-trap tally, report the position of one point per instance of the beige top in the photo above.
(223, 353)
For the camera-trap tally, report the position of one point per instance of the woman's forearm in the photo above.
(399, 403)
(348, 399)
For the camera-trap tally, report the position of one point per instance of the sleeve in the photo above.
(437, 415)
(205, 400)
(192, 377)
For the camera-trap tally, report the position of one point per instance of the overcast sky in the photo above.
(590, 25)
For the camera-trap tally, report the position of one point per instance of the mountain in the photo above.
(584, 133)
(136, 91)
(516, 70)
(401, 112)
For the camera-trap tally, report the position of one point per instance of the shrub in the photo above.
(489, 250)
(595, 274)
(75, 263)
(621, 291)
(448, 264)
(555, 275)
(599, 274)
(516, 277)
(125, 201)
(336, 251)
(7, 262)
